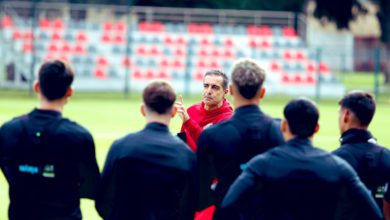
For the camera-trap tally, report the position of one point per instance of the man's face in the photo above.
(213, 92)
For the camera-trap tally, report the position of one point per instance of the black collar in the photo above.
(247, 109)
(356, 136)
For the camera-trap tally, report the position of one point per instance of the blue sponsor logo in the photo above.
(28, 169)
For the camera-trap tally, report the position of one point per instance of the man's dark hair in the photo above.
(225, 79)
(55, 77)
(159, 97)
(248, 77)
(362, 104)
(302, 117)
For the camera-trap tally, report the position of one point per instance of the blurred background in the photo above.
(316, 48)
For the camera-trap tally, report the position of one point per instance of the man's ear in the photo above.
(317, 128)
(284, 126)
(37, 89)
(231, 90)
(262, 93)
(346, 114)
(143, 110)
(173, 111)
(69, 92)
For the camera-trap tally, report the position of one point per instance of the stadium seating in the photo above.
(166, 50)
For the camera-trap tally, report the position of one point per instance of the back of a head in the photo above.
(302, 117)
(55, 77)
(159, 97)
(362, 104)
(248, 77)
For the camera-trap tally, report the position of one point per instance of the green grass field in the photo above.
(110, 116)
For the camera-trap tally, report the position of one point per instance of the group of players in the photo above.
(225, 164)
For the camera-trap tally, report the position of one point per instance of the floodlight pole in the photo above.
(377, 57)
(128, 46)
(32, 65)
(318, 73)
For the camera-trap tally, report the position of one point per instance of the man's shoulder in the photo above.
(67, 125)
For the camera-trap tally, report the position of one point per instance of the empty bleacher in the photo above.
(174, 51)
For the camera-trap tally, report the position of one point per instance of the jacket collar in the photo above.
(356, 136)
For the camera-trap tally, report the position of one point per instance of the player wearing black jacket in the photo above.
(225, 148)
(49, 161)
(360, 149)
(150, 174)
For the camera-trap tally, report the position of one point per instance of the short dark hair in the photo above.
(302, 117)
(248, 77)
(159, 96)
(218, 73)
(362, 104)
(55, 77)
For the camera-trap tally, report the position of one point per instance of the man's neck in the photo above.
(240, 102)
(210, 108)
(57, 105)
(162, 119)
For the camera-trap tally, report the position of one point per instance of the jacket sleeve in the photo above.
(206, 172)
(106, 191)
(355, 199)
(193, 129)
(275, 134)
(242, 189)
(189, 199)
(89, 170)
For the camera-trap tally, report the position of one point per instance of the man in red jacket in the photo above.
(213, 109)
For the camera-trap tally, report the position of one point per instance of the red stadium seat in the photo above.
(17, 35)
(58, 23)
(289, 32)
(203, 52)
(126, 62)
(66, 48)
(201, 64)
(180, 40)
(27, 47)
(205, 42)
(164, 63)
(300, 55)
(252, 30)
(298, 79)
(214, 65)
(168, 40)
(229, 42)
(275, 66)
(149, 74)
(285, 78)
(137, 74)
(44, 23)
(107, 26)
(310, 79)
(265, 31)
(311, 67)
(287, 55)
(253, 43)
(28, 35)
(6, 22)
(177, 64)
(163, 75)
(324, 68)
(102, 61)
(100, 73)
(79, 49)
(120, 26)
(179, 52)
(154, 51)
(228, 54)
(119, 39)
(56, 36)
(215, 53)
(106, 38)
(265, 44)
(53, 47)
(199, 76)
(141, 51)
(81, 36)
